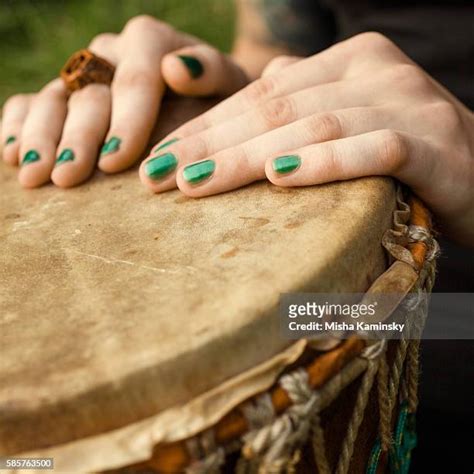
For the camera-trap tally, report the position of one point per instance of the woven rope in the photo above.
(420, 234)
(318, 444)
(259, 412)
(207, 457)
(357, 417)
(385, 411)
(276, 442)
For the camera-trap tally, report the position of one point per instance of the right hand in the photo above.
(148, 55)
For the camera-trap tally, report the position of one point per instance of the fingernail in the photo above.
(195, 67)
(66, 155)
(197, 172)
(30, 157)
(112, 145)
(10, 139)
(157, 168)
(286, 164)
(168, 143)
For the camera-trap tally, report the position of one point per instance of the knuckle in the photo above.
(194, 126)
(145, 23)
(196, 145)
(131, 78)
(445, 113)
(409, 76)
(278, 112)
(260, 89)
(277, 63)
(102, 40)
(373, 40)
(140, 22)
(52, 91)
(15, 100)
(393, 152)
(332, 161)
(325, 126)
(93, 93)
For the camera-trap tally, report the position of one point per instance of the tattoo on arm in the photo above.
(300, 26)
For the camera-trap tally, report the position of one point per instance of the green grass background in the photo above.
(37, 36)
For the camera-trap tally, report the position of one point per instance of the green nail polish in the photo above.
(168, 143)
(112, 145)
(10, 139)
(157, 168)
(198, 172)
(30, 157)
(66, 155)
(286, 164)
(195, 67)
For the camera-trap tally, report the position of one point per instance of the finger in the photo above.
(202, 70)
(105, 46)
(137, 90)
(84, 132)
(15, 111)
(41, 133)
(324, 67)
(279, 63)
(269, 116)
(240, 165)
(381, 152)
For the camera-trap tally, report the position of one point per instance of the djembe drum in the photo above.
(139, 333)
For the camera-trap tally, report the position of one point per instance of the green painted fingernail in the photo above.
(157, 168)
(168, 143)
(112, 145)
(30, 157)
(286, 164)
(198, 172)
(10, 139)
(195, 67)
(66, 155)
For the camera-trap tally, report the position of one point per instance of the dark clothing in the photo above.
(437, 35)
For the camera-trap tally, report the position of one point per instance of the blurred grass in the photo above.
(37, 36)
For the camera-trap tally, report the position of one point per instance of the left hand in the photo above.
(360, 108)
(58, 136)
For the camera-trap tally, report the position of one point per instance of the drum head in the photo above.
(116, 304)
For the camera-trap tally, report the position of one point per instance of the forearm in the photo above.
(253, 56)
(256, 41)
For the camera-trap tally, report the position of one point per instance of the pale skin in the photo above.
(359, 108)
(52, 121)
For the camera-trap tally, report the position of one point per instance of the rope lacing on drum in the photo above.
(206, 457)
(274, 443)
(420, 234)
(259, 412)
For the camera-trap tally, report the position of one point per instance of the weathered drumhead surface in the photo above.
(116, 304)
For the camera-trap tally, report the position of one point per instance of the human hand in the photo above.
(58, 137)
(360, 108)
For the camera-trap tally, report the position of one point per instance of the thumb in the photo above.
(202, 70)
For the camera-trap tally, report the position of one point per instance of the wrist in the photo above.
(252, 57)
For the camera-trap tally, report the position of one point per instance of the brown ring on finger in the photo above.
(84, 68)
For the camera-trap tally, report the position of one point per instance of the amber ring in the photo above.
(84, 68)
